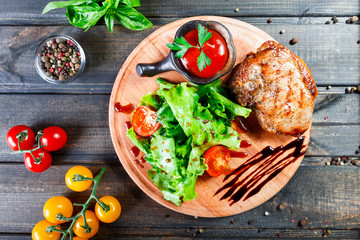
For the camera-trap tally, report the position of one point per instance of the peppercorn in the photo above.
(293, 41)
(354, 19)
(44, 59)
(269, 20)
(62, 77)
(327, 22)
(303, 222)
(282, 206)
(74, 60)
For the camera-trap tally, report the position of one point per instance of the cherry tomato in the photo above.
(55, 205)
(144, 121)
(26, 135)
(53, 139)
(78, 186)
(39, 231)
(46, 160)
(217, 158)
(113, 214)
(91, 220)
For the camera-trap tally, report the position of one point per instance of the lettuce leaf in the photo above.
(193, 119)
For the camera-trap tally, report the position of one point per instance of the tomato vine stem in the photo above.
(38, 137)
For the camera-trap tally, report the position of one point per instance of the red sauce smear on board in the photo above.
(128, 125)
(137, 162)
(215, 48)
(272, 163)
(135, 151)
(245, 144)
(238, 154)
(142, 159)
(238, 125)
(127, 109)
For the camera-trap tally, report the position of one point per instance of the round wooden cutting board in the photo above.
(129, 88)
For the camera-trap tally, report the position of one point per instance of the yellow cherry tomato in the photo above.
(91, 220)
(113, 214)
(55, 205)
(39, 231)
(79, 186)
(79, 238)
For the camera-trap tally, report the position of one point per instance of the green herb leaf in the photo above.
(203, 34)
(54, 5)
(116, 3)
(203, 61)
(130, 18)
(86, 13)
(85, 16)
(131, 3)
(109, 20)
(180, 45)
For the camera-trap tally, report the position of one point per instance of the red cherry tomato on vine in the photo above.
(217, 158)
(53, 139)
(91, 220)
(39, 231)
(22, 132)
(114, 212)
(144, 121)
(45, 160)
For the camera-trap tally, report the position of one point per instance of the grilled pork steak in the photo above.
(278, 86)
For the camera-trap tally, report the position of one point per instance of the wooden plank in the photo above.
(329, 199)
(227, 233)
(84, 117)
(12, 12)
(322, 47)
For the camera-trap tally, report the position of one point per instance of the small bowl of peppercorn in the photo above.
(59, 59)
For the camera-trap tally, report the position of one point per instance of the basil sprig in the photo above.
(86, 13)
(180, 45)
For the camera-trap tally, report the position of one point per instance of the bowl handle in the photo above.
(149, 70)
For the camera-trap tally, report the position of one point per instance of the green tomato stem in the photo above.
(38, 137)
(103, 205)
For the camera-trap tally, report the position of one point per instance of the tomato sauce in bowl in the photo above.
(219, 51)
(215, 48)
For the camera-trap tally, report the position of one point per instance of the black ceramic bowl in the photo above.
(171, 63)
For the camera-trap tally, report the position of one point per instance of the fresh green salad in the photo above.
(193, 118)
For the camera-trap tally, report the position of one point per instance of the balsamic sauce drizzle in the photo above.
(265, 172)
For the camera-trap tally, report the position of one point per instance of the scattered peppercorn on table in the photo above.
(321, 199)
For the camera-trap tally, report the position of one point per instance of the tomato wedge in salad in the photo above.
(144, 121)
(217, 158)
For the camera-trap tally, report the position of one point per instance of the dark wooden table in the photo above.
(328, 195)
